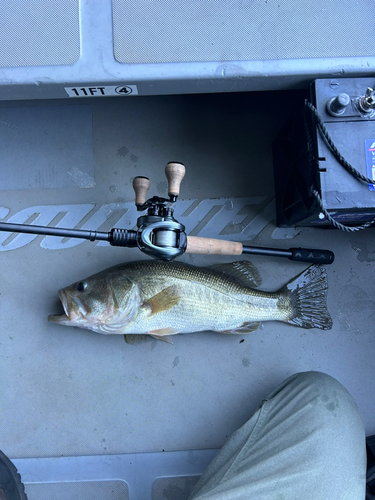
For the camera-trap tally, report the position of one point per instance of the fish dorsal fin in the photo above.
(242, 271)
(163, 300)
(245, 328)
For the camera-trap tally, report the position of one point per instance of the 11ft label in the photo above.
(101, 90)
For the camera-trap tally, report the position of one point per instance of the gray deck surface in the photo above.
(72, 392)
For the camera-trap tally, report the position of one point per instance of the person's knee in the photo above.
(317, 379)
(327, 395)
(311, 381)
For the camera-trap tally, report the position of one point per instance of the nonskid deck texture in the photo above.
(68, 392)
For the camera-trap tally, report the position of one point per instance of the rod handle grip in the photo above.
(211, 246)
(315, 256)
(141, 185)
(174, 172)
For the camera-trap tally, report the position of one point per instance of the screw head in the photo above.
(334, 84)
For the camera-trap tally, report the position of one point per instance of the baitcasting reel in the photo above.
(159, 234)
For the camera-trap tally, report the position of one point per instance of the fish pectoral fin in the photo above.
(245, 328)
(163, 300)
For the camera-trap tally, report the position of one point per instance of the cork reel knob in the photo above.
(141, 185)
(174, 172)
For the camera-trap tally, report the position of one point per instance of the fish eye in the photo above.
(81, 286)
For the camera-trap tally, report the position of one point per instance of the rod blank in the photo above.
(54, 231)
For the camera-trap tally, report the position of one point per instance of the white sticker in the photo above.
(101, 90)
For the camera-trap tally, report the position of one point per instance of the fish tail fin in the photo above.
(307, 298)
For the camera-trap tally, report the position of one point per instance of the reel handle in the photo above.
(141, 185)
(174, 172)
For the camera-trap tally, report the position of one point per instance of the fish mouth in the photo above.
(73, 310)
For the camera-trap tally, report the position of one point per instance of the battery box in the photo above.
(304, 161)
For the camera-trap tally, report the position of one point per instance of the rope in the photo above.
(337, 224)
(342, 162)
(334, 150)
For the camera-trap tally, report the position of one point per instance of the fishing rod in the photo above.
(161, 236)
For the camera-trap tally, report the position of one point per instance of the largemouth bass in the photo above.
(160, 298)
